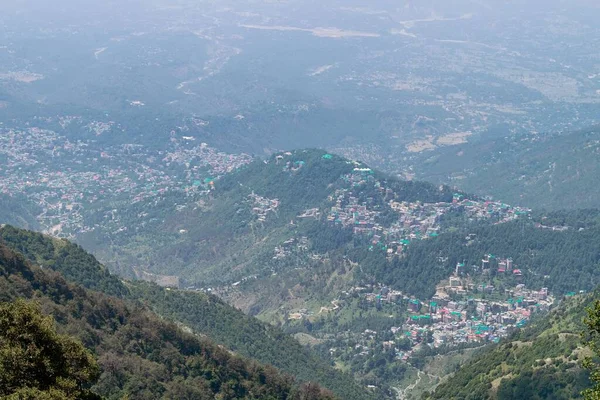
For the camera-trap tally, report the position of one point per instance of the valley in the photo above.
(332, 254)
(303, 200)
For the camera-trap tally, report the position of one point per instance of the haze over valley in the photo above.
(301, 199)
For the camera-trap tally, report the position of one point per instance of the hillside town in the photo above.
(461, 314)
(53, 172)
(415, 220)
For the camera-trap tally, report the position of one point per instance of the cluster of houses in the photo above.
(464, 311)
(199, 157)
(442, 321)
(473, 319)
(450, 320)
(262, 206)
(66, 178)
(415, 220)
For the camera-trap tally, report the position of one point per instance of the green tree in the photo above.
(592, 339)
(38, 363)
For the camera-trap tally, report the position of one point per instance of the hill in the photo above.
(140, 355)
(326, 223)
(204, 313)
(349, 260)
(551, 172)
(223, 235)
(542, 361)
(18, 211)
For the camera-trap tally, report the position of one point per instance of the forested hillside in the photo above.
(70, 260)
(553, 171)
(203, 313)
(563, 259)
(140, 355)
(226, 235)
(539, 362)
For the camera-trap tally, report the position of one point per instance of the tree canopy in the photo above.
(38, 363)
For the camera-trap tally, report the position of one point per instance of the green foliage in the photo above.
(205, 314)
(563, 261)
(38, 363)
(592, 339)
(74, 263)
(224, 241)
(247, 336)
(141, 356)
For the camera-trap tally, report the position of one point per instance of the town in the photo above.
(462, 313)
(54, 173)
(414, 221)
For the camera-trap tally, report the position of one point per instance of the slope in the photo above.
(552, 172)
(556, 250)
(226, 235)
(140, 355)
(17, 211)
(203, 313)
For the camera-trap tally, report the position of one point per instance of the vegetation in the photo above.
(220, 240)
(592, 339)
(74, 263)
(223, 241)
(563, 261)
(245, 335)
(205, 314)
(38, 363)
(539, 362)
(140, 355)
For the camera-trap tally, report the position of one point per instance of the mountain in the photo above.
(330, 250)
(551, 172)
(542, 361)
(225, 235)
(141, 355)
(202, 313)
(307, 223)
(285, 218)
(18, 211)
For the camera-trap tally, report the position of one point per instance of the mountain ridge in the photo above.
(204, 314)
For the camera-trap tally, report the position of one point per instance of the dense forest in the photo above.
(74, 263)
(204, 313)
(140, 355)
(39, 364)
(562, 260)
(246, 335)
